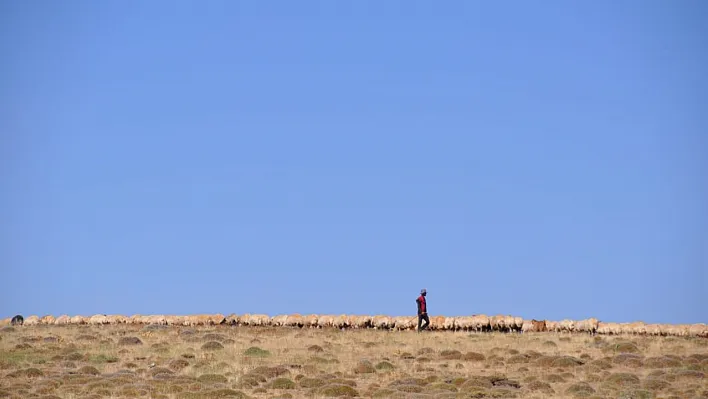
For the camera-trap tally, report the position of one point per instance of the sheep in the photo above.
(62, 320)
(47, 320)
(588, 325)
(464, 323)
(533, 325)
(117, 319)
(294, 320)
(98, 319)
(381, 322)
(261, 320)
(18, 320)
(341, 322)
(361, 322)
(449, 323)
(698, 330)
(553, 326)
(232, 319)
(310, 321)
(325, 321)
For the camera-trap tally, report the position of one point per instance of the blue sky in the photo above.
(547, 160)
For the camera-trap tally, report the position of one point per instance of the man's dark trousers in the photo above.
(421, 317)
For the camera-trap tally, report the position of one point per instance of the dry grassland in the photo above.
(127, 361)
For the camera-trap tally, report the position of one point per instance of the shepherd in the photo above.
(422, 311)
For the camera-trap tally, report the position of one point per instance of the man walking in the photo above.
(422, 311)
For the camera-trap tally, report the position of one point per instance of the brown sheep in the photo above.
(533, 325)
(62, 320)
(48, 319)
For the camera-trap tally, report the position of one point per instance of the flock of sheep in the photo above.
(479, 323)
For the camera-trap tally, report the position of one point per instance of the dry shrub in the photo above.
(426, 351)
(212, 346)
(516, 359)
(621, 381)
(214, 337)
(684, 375)
(271, 372)
(315, 348)
(566, 361)
(628, 360)
(75, 356)
(637, 394)
(407, 356)
(655, 384)
(306, 382)
(624, 347)
(283, 383)
(217, 393)
(545, 361)
(178, 364)
(601, 364)
(255, 351)
(383, 393)
(130, 341)
(212, 379)
(89, 370)
(540, 386)
(662, 362)
(337, 391)
(450, 354)
(159, 370)
(31, 372)
(473, 357)
(384, 366)
(554, 378)
(364, 367)
(443, 386)
(476, 382)
(580, 390)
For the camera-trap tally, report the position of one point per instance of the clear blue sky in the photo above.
(547, 160)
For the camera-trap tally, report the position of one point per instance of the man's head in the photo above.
(423, 292)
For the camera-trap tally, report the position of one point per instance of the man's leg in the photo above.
(420, 319)
(427, 321)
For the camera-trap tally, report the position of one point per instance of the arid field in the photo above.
(158, 361)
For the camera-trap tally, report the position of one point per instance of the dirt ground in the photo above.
(127, 361)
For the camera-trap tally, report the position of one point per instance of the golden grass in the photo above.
(122, 361)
